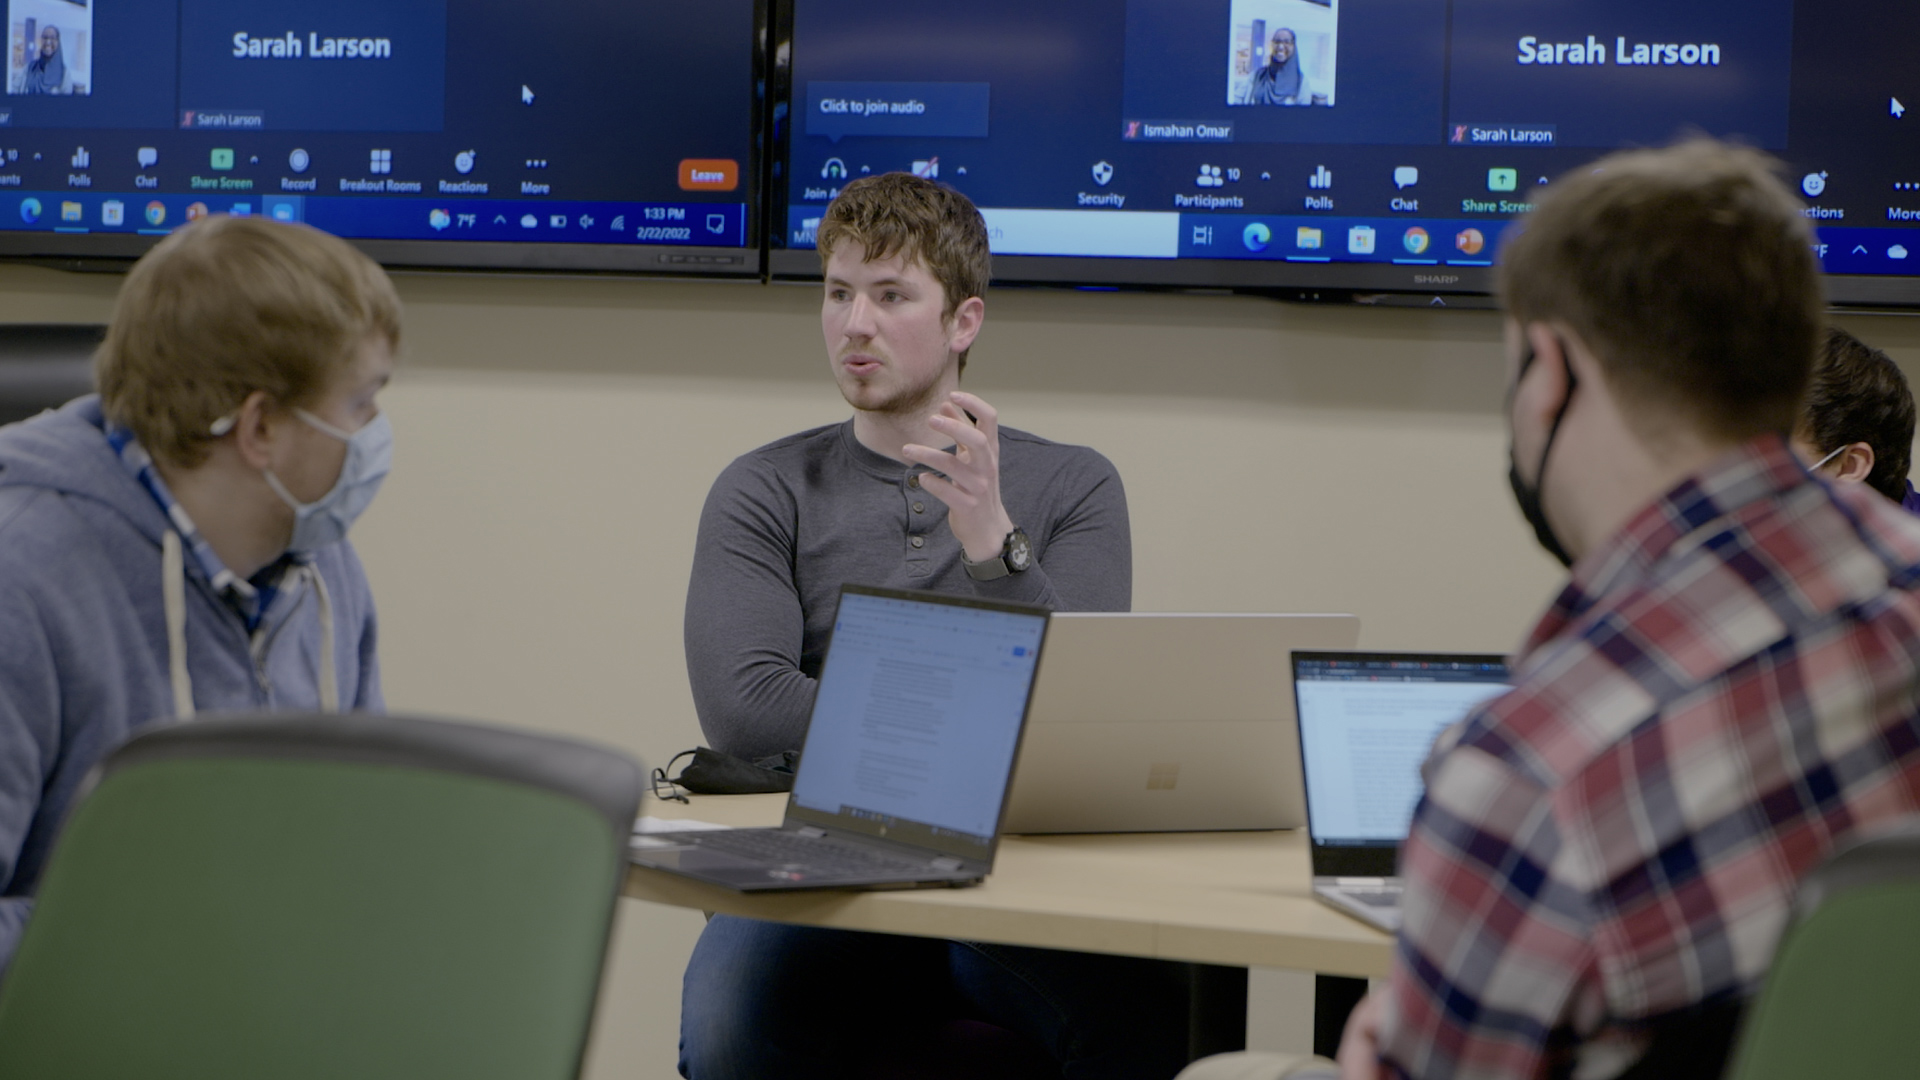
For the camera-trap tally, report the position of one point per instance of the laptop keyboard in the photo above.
(818, 854)
(1380, 898)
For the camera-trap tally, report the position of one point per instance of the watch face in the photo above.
(1019, 551)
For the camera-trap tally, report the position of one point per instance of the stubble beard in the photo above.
(903, 401)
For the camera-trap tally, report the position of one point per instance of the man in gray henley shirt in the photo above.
(999, 514)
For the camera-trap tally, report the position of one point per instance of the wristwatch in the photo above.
(1016, 555)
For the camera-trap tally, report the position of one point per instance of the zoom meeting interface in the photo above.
(919, 714)
(1366, 726)
(576, 122)
(1358, 131)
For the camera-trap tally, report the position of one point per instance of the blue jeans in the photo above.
(769, 1001)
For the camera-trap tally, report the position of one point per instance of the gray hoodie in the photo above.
(84, 650)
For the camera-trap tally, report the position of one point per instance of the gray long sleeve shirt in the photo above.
(786, 525)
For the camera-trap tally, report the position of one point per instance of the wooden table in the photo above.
(1219, 898)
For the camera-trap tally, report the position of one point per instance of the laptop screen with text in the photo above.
(1367, 723)
(918, 715)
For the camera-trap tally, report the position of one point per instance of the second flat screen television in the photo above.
(1337, 144)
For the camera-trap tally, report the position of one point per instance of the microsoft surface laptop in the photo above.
(1149, 722)
(904, 773)
(1367, 722)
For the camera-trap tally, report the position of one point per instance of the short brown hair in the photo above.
(920, 220)
(1858, 394)
(1689, 271)
(227, 306)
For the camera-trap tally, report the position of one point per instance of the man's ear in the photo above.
(1855, 462)
(966, 323)
(1544, 383)
(257, 424)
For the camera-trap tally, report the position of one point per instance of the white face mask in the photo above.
(327, 519)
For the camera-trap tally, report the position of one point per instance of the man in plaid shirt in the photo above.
(1723, 692)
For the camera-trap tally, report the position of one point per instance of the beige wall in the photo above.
(557, 437)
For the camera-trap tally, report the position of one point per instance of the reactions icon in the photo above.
(1257, 236)
(463, 161)
(1469, 241)
(1814, 183)
(1416, 240)
(156, 212)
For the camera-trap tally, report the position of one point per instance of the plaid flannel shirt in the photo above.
(1722, 692)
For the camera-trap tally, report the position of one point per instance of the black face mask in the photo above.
(1529, 497)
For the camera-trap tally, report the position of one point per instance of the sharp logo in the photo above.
(1435, 279)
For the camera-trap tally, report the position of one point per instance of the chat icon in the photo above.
(1405, 177)
(147, 156)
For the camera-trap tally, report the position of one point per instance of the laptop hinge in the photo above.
(945, 864)
(810, 832)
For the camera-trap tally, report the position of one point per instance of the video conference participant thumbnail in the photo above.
(1281, 52)
(52, 47)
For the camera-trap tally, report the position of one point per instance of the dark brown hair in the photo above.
(921, 221)
(227, 306)
(1858, 394)
(1689, 271)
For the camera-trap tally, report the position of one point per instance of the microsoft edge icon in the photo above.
(30, 210)
(1257, 236)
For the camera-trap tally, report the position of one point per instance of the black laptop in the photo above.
(908, 756)
(1367, 723)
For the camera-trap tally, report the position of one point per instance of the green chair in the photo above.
(303, 897)
(1845, 982)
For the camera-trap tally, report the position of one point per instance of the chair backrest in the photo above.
(305, 897)
(1845, 980)
(44, 366)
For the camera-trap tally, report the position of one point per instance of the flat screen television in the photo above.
(1338, 147)
(578, 135)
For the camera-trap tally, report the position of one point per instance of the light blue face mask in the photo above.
(327, 519)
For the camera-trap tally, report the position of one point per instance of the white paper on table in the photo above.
(643, 825)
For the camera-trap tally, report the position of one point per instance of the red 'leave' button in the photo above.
(709, 174)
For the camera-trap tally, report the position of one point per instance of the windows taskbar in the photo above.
(547, 222)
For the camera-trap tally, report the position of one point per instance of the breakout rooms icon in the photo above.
(380, 162)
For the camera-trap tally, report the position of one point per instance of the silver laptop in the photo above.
(1153, 722)
(1367, 722)
(903, 777)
